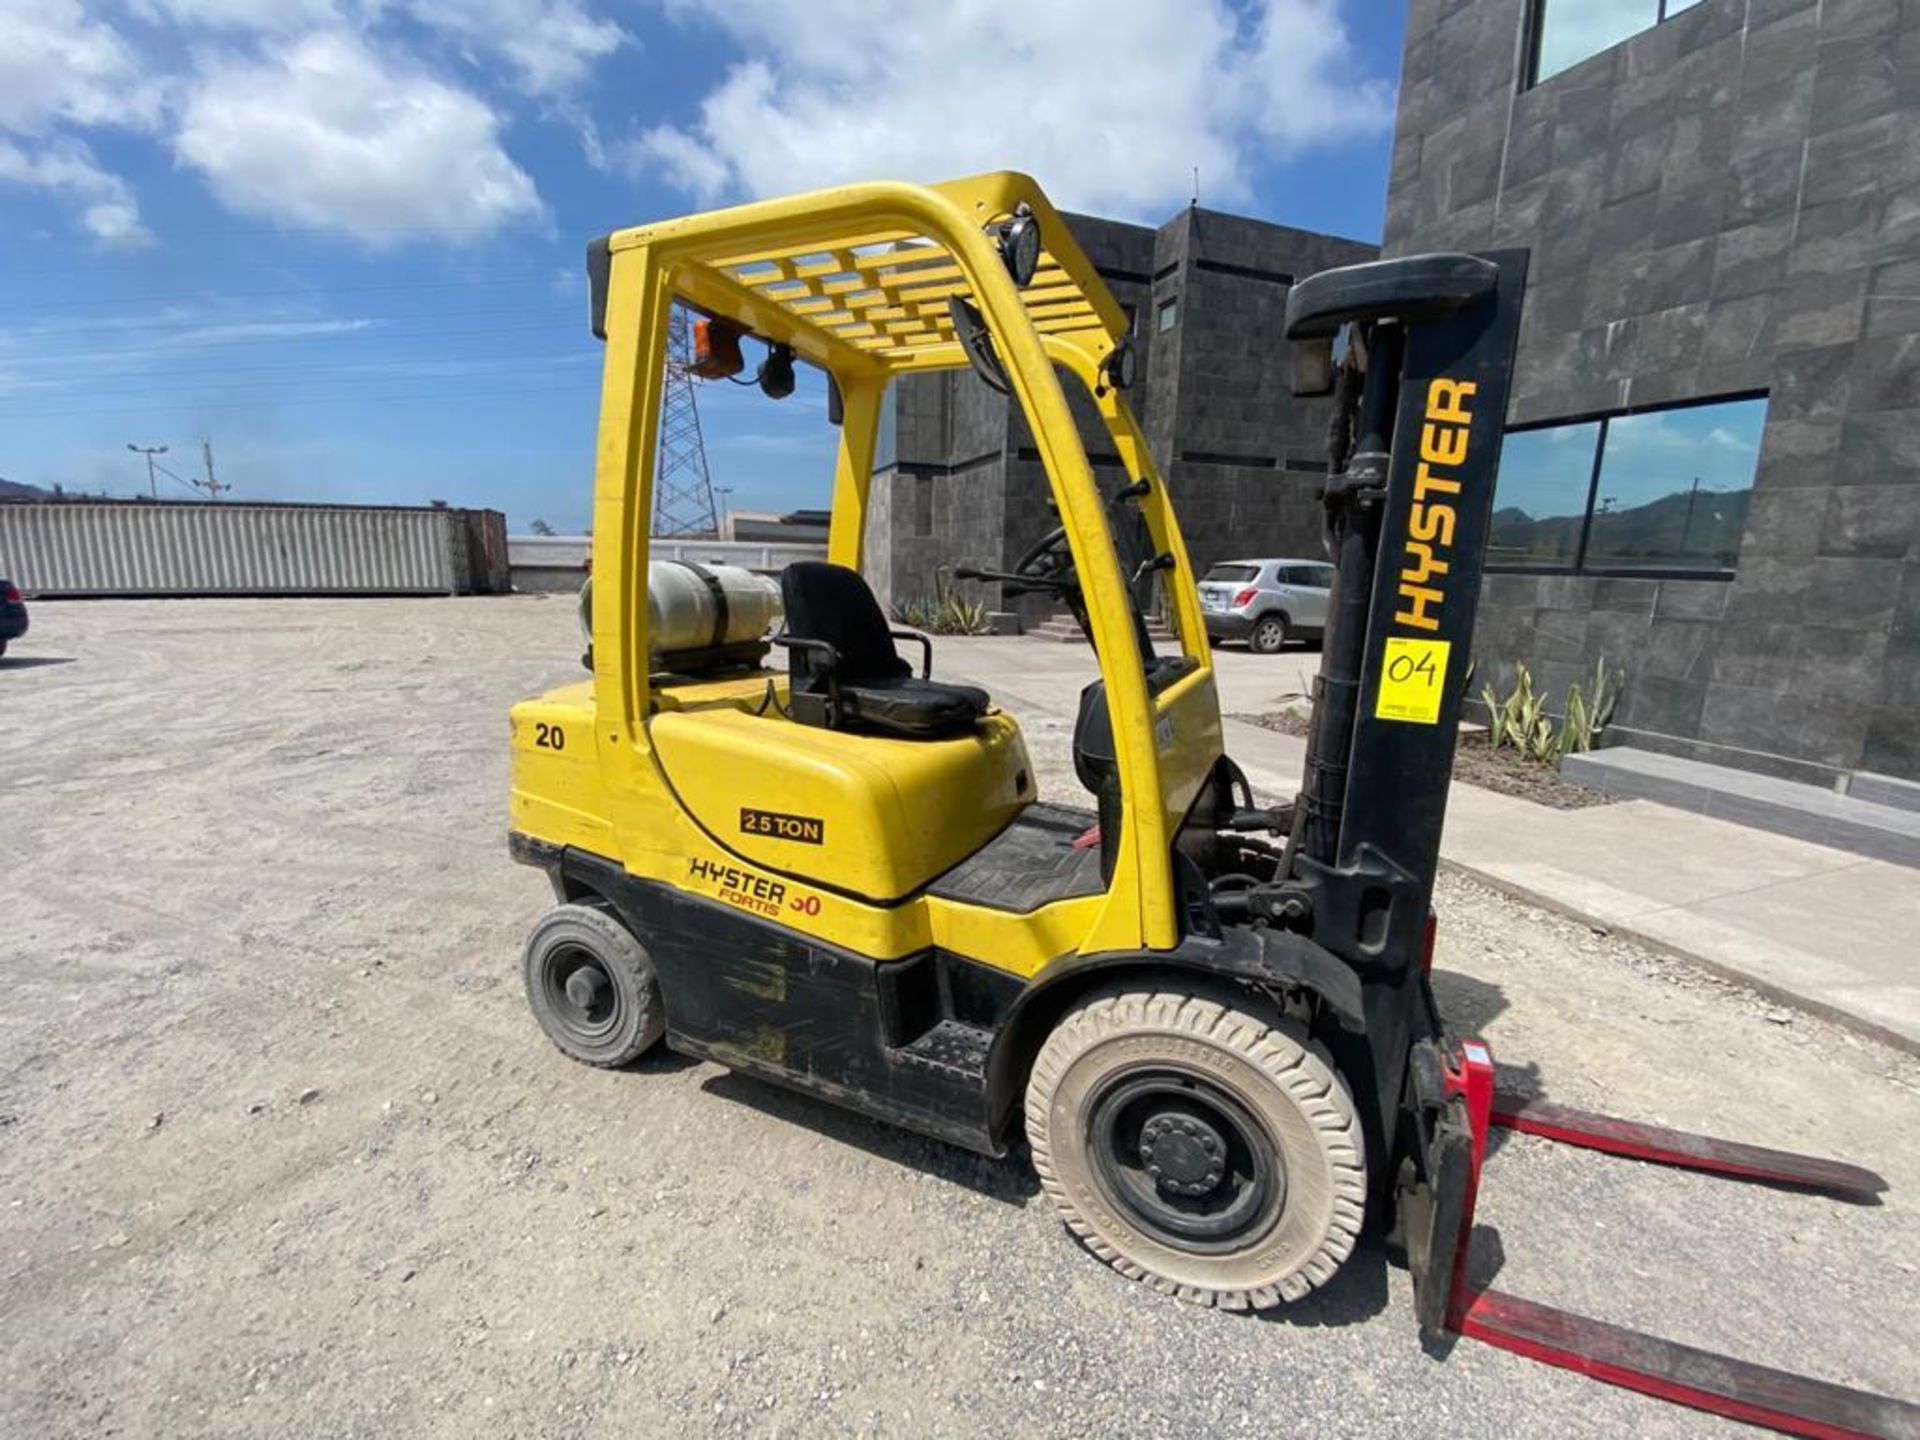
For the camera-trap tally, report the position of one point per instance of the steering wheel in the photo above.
(1048, 562)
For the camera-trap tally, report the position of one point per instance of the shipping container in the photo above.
(137, 547)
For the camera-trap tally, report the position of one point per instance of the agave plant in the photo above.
(1587, 715)
(1523, 722)
(956, 616)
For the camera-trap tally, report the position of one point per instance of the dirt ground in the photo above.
(283, 1153)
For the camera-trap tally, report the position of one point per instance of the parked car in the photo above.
(1266, 602)
(13, 614)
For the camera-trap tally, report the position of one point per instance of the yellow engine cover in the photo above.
(866, 815)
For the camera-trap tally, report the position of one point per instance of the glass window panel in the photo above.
(1571, 30)
(1231, 574)
(1541, 495)
(1674, 486)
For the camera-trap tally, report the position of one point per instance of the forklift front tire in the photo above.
(1206, 1150)
(592, 987)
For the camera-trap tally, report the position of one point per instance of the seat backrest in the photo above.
(832, 603)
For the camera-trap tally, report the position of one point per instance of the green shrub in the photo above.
(1587, 715)
(1523, 722)
(944, 614)
(955, 616)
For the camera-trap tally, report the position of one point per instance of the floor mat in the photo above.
(1029, 864)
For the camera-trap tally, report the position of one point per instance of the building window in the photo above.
(1168, 315)
(1662, 491)
(1565, 32)
(1540, 502)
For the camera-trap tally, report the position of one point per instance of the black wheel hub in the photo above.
(580, 992)
(587, 989)
(1183, 1152)
(1184, 1160)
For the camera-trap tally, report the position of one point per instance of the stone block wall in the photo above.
(1727, 203)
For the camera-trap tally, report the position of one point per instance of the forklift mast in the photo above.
(1420, 404)
(1413, 448)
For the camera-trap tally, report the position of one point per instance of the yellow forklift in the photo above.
(1210, 1021)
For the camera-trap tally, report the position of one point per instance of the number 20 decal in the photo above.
(549, 737)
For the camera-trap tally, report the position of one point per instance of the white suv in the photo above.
(1266, 602)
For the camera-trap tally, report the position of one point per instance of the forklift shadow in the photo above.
(1010, 1181)
(1484, 1261)
(660, 1060)
(1467, 1002)
(32, 662)
(1358, 1293)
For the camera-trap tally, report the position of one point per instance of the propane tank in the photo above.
(693, 608)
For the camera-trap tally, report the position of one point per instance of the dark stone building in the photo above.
(1712, 474)
(960, 481)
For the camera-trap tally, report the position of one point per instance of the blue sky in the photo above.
(342, 238)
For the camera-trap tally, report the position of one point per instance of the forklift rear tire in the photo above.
(1205, 1149)
(592, 986)
(1268, 635)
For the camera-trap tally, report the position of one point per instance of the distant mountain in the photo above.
(14, 490)
(1689, 529)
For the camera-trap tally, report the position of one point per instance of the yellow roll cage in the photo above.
(856, 280)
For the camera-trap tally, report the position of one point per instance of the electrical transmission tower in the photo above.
(682, 488)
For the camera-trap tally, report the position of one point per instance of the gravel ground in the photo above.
(284, 1154)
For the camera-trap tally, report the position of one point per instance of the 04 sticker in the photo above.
(1412, 680)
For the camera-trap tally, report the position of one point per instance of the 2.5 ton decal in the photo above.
(807, 829)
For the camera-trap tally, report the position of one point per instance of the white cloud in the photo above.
(1111, 102)
(323, 132)
(60, 69)
(66, 167)
(267, 15)
(551, 45)
(228, 334)
(57, 66)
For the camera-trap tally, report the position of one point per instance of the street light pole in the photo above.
(153, 485)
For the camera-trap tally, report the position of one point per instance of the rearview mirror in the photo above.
(1312, 366)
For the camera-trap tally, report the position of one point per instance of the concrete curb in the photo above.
(1779, 994)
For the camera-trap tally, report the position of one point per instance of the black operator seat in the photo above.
(843, 671)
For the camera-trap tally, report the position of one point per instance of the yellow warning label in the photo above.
(1411, 682)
